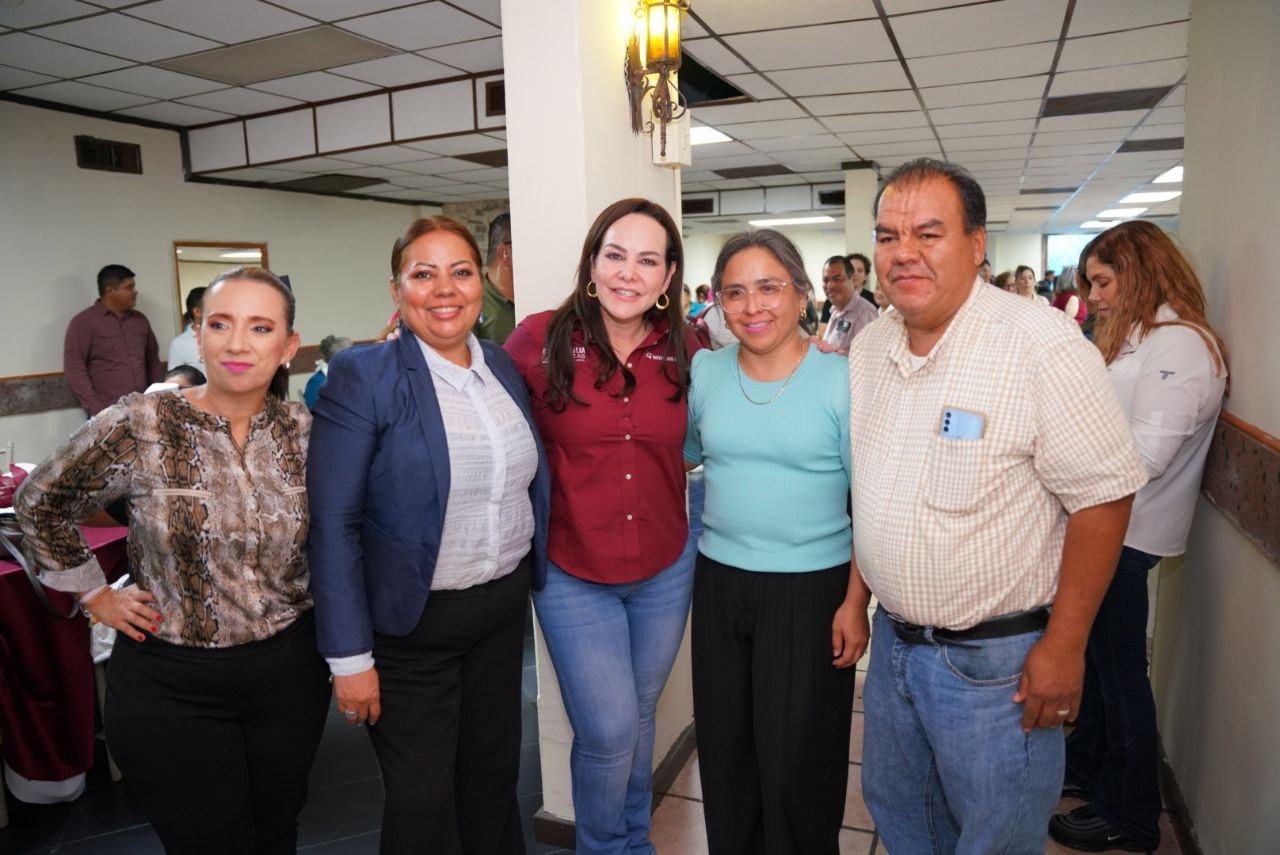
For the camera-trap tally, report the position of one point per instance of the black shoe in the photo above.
(1084, 830)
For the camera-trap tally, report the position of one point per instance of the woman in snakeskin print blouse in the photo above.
(216, 694)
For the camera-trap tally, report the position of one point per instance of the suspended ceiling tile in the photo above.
(720, 149)
(1112, 135)
(385, 155)
(715, 56)
(387, 173)
(1152, 132)
(990, 92)
(730, 16)
(83, 95)
(1168, 41)
(315, 164)
(333, 10)
(916, 147)
(123, 36)
(1117, 119)
(217, 147)
(977, 129)
(891, 135)
(1138, 76)
(228, 21)
(839, 79)
(240, 101)
(463, 144)
(477, 56)
(15, 78)
(172, 113)
(956, 144)
(973, 66)
(256, 173)
(1104, 16)
(490, 10)
(984, 25)
(869, 102)
(766, 130)
(32, 53)
(786, 48)
(1025, 109)
(755, 85)
(797, 143)
(876, 121)
(314, 86)
(421, 26)
(399, 70)
(154, 82)
(759, 111)
(23, 15)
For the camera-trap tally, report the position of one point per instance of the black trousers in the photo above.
(448, 741)
(772, 712)
(1114, 747)
(217, 744)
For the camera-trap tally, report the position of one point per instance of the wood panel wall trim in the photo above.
(1242, 480)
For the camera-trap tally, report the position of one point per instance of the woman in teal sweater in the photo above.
(779, 612)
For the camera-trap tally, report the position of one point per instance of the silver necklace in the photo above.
(781, 389)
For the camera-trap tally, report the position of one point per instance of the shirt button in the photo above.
(628, 476)
(628, 364)
(628, 436)
(626, 400)
(628, 516)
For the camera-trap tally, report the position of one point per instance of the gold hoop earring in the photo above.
(591, 290)
(663, 302)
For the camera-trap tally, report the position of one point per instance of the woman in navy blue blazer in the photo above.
(429, 504)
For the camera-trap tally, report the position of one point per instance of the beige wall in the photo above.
(1217, 638)
(700, 251)
(1008, 251)
(61, 223)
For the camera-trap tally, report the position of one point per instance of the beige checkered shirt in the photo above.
(951, 532)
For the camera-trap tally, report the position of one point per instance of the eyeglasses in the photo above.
(767, 293)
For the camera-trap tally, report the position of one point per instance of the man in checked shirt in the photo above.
(993, 472)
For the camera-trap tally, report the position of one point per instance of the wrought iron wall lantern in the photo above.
(653, 59)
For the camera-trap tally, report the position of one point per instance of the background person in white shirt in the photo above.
(184, 349)
(1169, 370)
(849, 313)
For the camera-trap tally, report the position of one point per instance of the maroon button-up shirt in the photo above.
(618, 511)
(105, 357)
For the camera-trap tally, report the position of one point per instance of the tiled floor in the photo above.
(342, 815)
(678, 828)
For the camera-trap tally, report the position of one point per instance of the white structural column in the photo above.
(860, 186)
(571, 153)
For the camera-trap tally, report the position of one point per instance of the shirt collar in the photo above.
(455, 375)
(900, 352)
(1164, 314)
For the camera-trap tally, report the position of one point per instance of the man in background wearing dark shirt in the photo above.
(110, 350)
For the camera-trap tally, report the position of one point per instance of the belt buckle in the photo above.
(907, 632)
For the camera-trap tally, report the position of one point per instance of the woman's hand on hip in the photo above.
(358, 698)
(130, 610)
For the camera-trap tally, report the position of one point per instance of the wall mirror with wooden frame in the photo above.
(197, 263)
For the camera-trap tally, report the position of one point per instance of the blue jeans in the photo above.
(946, 767)
(1114, 748)
(613, 647)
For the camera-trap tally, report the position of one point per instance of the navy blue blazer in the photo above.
(378, 483)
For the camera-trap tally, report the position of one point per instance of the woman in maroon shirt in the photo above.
(608, 372)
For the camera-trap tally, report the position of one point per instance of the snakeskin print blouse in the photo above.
(216, 532)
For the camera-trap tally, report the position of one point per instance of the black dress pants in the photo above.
(448, 741)
(217, 743)
(772, 712)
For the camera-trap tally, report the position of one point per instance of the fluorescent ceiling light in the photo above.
(1119, 213)
(1170, 176)
(1098, 224)
(702, 134)
(244, 254)
(1149, 198)
(792, 221)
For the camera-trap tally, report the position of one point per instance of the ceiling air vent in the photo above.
(108, 155)
(831, 198)
(698, 206)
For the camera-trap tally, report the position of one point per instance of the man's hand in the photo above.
(358, 698)
(1052, 680)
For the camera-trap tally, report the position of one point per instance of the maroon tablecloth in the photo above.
(46, 675)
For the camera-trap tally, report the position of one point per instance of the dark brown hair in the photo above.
(582, 312)
(1150, 271)
(426, 225)
(280, 381)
